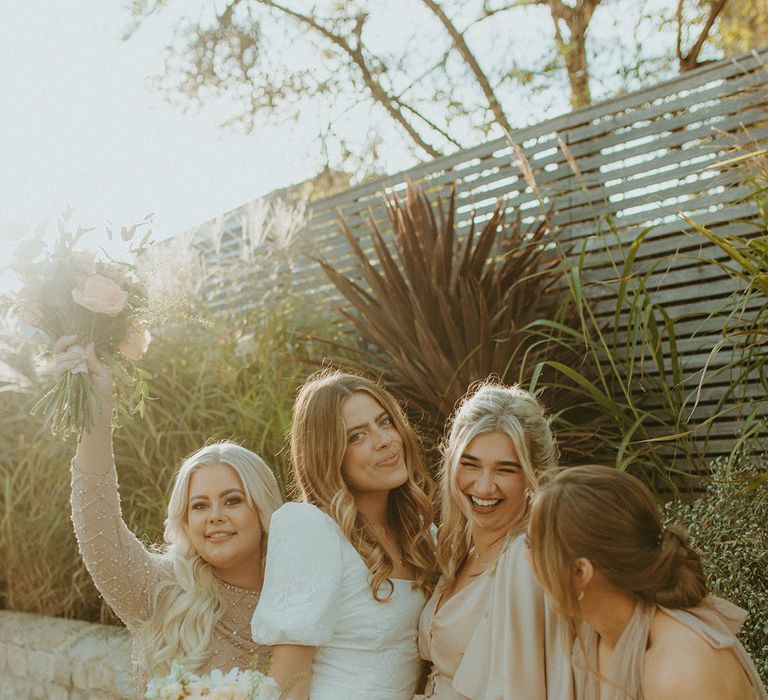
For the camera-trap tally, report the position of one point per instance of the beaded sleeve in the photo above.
(122, 568)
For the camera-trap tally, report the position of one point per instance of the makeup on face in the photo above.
(374, 459)
(491, 479)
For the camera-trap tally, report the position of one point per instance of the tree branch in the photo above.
(355, 53)
(423, 75)
(429, 123)
(679, 43)
(469, 58)
(691, 59)
(577, 20)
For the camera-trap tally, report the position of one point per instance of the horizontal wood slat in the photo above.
(637, 161)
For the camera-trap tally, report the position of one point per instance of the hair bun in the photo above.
(674, 535)
(680, 573)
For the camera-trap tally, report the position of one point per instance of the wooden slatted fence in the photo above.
(637, 160)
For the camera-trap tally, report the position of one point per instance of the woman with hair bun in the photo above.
(192, 599)
(487, 630)
(349, 569)
(598, 546)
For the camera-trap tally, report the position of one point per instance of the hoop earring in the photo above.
(580, 597)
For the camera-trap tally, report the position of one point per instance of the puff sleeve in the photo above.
(299, 602)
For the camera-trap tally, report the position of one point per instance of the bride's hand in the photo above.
(70, 357)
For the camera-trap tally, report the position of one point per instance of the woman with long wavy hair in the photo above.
(350, 567)
(642, 624)
(487, 630)
(190, 600)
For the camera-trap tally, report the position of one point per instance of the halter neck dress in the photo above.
(715, 620)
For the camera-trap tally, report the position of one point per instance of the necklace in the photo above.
(483, 558)
(238, 589)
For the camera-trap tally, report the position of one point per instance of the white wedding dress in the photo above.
(316, 593)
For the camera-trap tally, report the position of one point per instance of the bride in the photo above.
(349, 569)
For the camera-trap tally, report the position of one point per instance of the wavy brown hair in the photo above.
(612, 519)
(318, 444)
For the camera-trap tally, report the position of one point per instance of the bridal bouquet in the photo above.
(71, 292)
(216, 685)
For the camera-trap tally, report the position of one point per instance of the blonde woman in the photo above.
(487, 630)
(191, 600)
(349, 568)
(599, 548)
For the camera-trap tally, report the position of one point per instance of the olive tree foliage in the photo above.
(742, 25)
(437, 75)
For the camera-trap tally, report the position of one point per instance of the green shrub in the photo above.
(727, 525)
(224, 372)
(41, 571)
(208, 382)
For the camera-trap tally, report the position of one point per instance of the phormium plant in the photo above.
(439, 310)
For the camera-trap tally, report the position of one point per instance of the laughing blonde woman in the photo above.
(487, 630)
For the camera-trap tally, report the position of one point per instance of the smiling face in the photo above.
(373, 460)
(491, 480)
(223, 527)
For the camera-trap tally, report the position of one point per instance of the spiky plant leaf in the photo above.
(437, 310)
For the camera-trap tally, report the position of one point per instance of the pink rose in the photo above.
(101, 295)
(136, 344)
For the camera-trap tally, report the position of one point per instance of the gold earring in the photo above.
(580, 596)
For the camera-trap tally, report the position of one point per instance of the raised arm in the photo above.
(120, 566)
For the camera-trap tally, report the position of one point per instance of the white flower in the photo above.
(217, 685)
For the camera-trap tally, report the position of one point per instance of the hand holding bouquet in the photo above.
(234, 685)
(94, 305)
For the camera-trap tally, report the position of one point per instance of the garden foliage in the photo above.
(220, 373)
(621, 365)
(438, 309)
(727, 525)
(745, 333)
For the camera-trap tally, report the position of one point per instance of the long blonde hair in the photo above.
(318, 444)
(489, 407)
(185, 609)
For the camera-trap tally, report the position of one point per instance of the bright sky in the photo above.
(79, 126)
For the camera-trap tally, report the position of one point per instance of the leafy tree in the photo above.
(743, 26)
(437, 75)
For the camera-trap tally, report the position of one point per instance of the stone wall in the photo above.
(48, 657)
